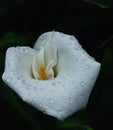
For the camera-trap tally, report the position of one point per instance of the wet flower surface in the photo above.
(56, 76)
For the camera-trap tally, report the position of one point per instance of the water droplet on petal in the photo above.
(62, 35)
(64, 97)
(12, 59)
(35, 88)
(46, 107)
(20, 77)
(76, 48)
(8, 79)
(54, 84)
(18, 47)
(50, 101)
(72, 83)
(40, 105)
(75, 58)
(88, 67)
(84, 72)
(58, 82)
(72, 38)
(35, 99)
(84, 60)
(32, 53)
(82, 83)
(60, 114)
(80, 67)
(23, 98)
(69, 43)
(71, 101)
(26, 85)
(20, 58)
(94, 79)
(42, 88)
(25, 50)
(23, 82)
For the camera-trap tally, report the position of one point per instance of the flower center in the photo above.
(45, 60)
(42, 73)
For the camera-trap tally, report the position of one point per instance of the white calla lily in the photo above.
(56, 77)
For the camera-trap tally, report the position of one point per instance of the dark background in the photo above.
(22, 21)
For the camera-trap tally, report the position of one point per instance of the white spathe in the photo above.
(60, 96)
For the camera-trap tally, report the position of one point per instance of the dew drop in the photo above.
(66, 76)
(32, 53)
(82, 83)
(20, 58)
(18, 47)
(25, 50)
(80, 67)
(72, 82)
(71, 101)
(8, 79)
(50, 101)
(64, 97)
(41, 88)
(62, 35)
(12, 59)
(69, 43)
(23, 98)
(72, 38)
(76, 48)
(75, 58)
(35, 99)
(20, 77)
(35, 88)
(11, 69)
(40, 105)
(13, 72)
(58, 82)
(84, 72)
(60, 114)
(84, 60)
(54, 84)
(88, 67)
(23, 82)
(94, 79)
(26, 85)
(46, 107)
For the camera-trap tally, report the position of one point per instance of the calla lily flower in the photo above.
(56, 76)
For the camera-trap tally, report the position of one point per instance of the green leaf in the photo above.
(12, 39)
(74, 124)
(104, 48)
(9, 96)
(102, 95)
(77, 121)
(101, 3)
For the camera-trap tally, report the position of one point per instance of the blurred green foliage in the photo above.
(22, 21)
(11, 39)
(101, 3)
